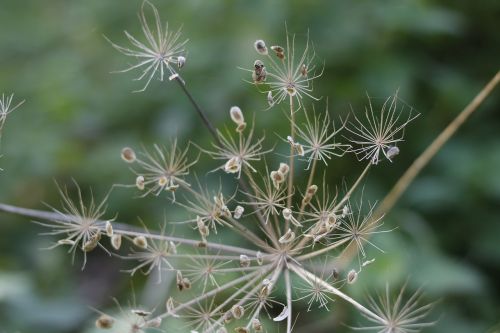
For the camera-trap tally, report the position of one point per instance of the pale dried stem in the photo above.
(121, 228)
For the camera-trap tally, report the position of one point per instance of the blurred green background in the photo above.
(77, 117)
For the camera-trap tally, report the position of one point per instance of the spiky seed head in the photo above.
(141, 242)
(140, 183)
(244, 260)
(238, 211)
(237, 311)
(128, 155)
(352, 276)
(104, 322)
(109, 229)
(181, 61)
(260, 46)
(256, 325)
(288, 237)
(116, 241)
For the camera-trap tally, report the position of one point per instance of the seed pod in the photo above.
(277, 178)
(311, 190)
(259, 74)
(238, 211)
(260, 46)
(287, 214)
(140, 241)
(284, 168)
(228, 317)
(237, 311)
(170, 305)
(181, 61)
(256, 325)
(91, 244)
(139, 182)
(303, 70)
(244, 260)
(280, 52)
(241, 330)
(172, 248)
(128, 155)
(352, 276)
(109, 229)
(288, 237)
(345, 211)
(391, 152)
(335, 274)
(270, 98)
(300, 149)
(162, 181)
(233, 165)
(104, 322)
(260, 258)
(116, 241)
(236, 115)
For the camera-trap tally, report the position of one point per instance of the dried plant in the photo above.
(283, 226)
(6, 108)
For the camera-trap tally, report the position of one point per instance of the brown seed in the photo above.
(260, 46)
(128, 155)
(104, 322)
(140, 241)
(116, 241)
(352, 276)
(237, 311)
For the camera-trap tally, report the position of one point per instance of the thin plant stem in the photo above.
(288, 287)
(309, 183)
(121, 228)
(292, 156)
(198, 109)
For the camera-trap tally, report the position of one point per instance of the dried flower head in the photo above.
(161, 51)
(163, 169)
(379, 133)
(288, 75)
(79, 224)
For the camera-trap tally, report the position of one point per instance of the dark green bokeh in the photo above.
(78, 116)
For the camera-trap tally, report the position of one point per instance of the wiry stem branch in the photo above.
(121, 228)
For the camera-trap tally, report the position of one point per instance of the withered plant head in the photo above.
(160, 53)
